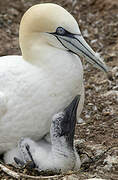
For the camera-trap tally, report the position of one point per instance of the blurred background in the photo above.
(98, 128)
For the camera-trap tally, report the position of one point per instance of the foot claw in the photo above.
(18, 161)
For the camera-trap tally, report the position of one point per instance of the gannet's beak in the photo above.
(76, 44)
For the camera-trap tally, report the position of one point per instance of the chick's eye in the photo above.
(60, 31)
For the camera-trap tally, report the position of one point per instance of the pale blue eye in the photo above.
(60, 31)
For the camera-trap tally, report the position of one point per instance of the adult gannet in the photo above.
(61, 153)
(45, 78)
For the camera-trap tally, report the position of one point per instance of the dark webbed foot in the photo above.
(26, 155)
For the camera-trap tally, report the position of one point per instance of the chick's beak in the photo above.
(69, 121)
(71, 109)
(70, 115)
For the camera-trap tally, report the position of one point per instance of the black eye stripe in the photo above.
(66, 33)
(60, 31)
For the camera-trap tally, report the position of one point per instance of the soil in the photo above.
(97, 132)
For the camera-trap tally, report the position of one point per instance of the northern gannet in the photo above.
(46, 77)
(61, 153)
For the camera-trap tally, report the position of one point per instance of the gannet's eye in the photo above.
(60, 31)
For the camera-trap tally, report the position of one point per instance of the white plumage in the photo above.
(32, 95)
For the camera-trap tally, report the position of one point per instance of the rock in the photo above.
(85, 33)
(95, 179)
(80, 121)
(110, 161)
(71, 177)
(111, 93)
(79, 141)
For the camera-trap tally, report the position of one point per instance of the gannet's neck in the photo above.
(60, 146)
(33, 47)
(63, 155)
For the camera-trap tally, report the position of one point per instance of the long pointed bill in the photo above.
(70, 110)
(78, 45)
(69, 121)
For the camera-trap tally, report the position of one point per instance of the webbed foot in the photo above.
(25, 153)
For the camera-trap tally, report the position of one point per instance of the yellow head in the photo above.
(46, 18)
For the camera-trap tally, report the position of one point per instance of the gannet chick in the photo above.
(41, 82)
(61, 154)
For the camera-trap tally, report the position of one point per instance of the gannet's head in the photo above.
(53, 25)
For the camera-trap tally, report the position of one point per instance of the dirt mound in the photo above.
(106, 4)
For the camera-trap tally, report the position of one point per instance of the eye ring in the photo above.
(60, 31)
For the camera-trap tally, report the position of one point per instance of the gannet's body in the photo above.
(58, 155)
(45, 78)
(33, 94)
